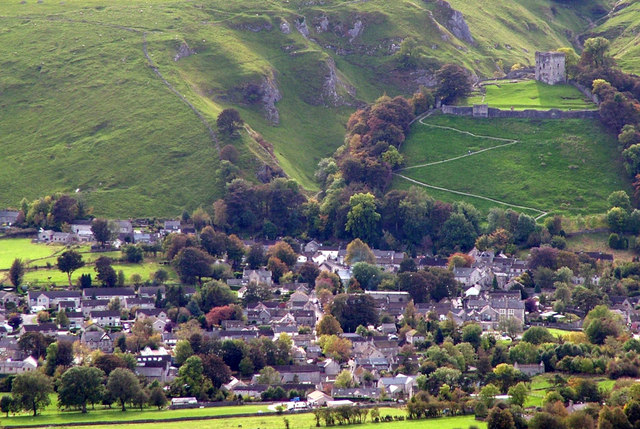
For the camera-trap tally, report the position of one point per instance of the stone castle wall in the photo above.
(526, 114)
(551, 67)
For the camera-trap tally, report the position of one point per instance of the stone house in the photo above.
(388, 328)
(82, 230)
(304, 374)
(43, 328)
(9, 297)
(89, 305)
(466, 276)
(398, 386)
(312, 247)
(110, 318)
(330, 368)
(76, 319)
(413, 337)
(530, 369)
(8, 217)
(51, 299)
(11, 367)
(152, 291)
(298, 300)
(257, 276)
(109, 293)
(63, 237)
(97, 339)
(157, 313)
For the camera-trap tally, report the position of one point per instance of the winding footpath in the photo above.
(509, 142)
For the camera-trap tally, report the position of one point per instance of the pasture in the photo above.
(566, 167)
(531, 95)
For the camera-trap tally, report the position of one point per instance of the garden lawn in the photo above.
(23, 248)
(564, 167)
(532, 95)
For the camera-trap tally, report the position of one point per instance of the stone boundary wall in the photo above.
(181, 419)
(526, 114)
(585, 91)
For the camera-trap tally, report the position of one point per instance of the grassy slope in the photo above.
(532, 95)
(623, 28)
(558, 166)
(82, 109)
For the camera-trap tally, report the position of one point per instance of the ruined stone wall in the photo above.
(525, 114)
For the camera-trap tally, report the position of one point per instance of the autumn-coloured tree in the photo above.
(358, 251)
(329, 325)
(335, 347)
(460, 260)
(277, 268)
(226, 312)
(284, 252)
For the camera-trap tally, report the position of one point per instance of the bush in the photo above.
(618, 242)
(558, 242)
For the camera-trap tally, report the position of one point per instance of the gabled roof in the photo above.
(105, 313)
(108, 291)
(53, 294)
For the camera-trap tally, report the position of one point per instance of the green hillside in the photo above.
(622, 28)
(84, 109)
(565, 167)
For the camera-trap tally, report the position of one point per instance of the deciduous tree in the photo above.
(31, 391)
(123, 385)
(192, 264)
(358, 251)
(16, 272)
(329, 325)
(453, 83)
(79, 385)
(362, 218)
(68, 262)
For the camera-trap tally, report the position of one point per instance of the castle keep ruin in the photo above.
(550, 67)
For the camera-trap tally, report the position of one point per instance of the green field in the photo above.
(531, 95)
(567, 167)
(54, 276)
(305, 421)
(540, 385)
(82, 108)
(24, 249)
(38, 255)
(52, 416)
